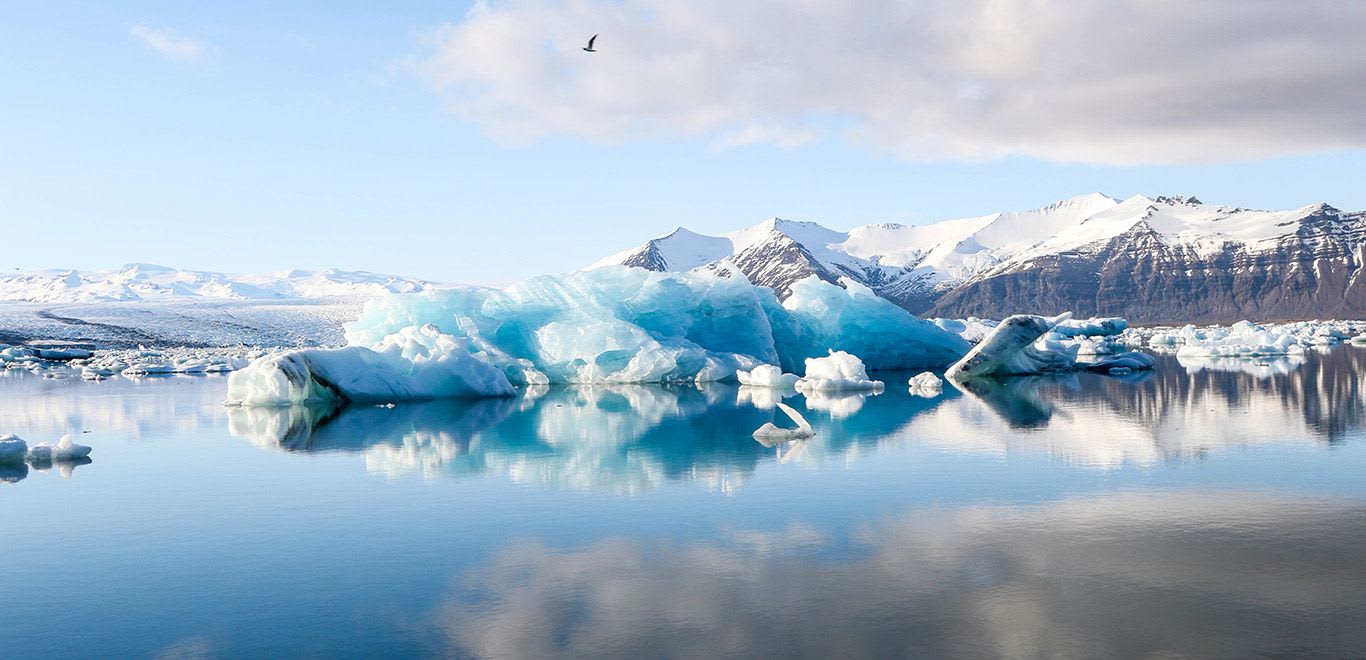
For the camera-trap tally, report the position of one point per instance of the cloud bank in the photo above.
(1111, 81)
(168, 43)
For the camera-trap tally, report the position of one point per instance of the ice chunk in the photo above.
(1129, 362)
(13, 449)
(1011, 349)
(63, 353)
(1243, 338)
(771, 432)
(766, 375)
(1092, 327)
(416, 363)
(838, 372)
(64, 451)
(926, 384)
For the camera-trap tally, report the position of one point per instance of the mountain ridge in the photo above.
(1168, 258)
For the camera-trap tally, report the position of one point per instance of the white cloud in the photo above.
(168, 43)
(1116, 81)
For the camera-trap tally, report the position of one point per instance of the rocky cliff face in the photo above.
(1313, 272)
(1163, 259)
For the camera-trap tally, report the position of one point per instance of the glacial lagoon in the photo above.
(1207, 508)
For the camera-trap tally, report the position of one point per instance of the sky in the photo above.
(476, 142)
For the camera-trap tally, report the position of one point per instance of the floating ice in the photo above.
(1242, 338)
(415, 363)
(1011, 350)
(13, 449)
(766, 375)
(1092, 327)
(64, 451)
(838, 372)
(1027, 344)
(771, 432)
(926, 384)
(623, 325)
(1131, 361)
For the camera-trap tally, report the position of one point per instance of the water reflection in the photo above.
(1118, 575)
(629, 439)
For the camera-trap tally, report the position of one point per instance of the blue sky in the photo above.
(257, 137)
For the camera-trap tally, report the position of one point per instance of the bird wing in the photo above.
(590, 41)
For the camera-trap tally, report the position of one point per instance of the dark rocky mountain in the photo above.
(1158, 260)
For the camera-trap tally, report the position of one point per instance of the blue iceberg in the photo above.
(608, 325)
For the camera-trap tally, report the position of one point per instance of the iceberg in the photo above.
(1010, 350)
(1026, 344)
(64, 451)
(1092, 327)
(766, 375)
(769, 431)
(13, 449)
(837, 372)
(604, 326)
(413, 364)
(926, 384)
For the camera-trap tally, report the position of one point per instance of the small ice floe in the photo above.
(13, 449)
(1123, 363)
(839, 372)
(62, 354)
(766, 375)
(64, 451)
(1011, 350)
(771, 432)
(926, 384)
(96, 373)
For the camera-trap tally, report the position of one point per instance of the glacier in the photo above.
(608, 325)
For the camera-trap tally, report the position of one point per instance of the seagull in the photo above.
(589, 48)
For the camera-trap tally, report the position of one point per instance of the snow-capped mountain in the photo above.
(150, 282)
(1149, 259)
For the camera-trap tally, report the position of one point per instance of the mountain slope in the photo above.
(1171, 259)
(151, 282)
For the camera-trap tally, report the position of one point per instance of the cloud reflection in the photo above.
(1127, 575)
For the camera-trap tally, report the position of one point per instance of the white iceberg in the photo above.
(926, 384)
(769, 431)
(416, 363)
(1092, 327)
(837, 372)
(1243, 338)
(64, 451)
(766, 375)
(13, 449)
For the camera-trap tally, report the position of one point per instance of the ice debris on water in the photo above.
(14, 450)
(766, 375)
(837, 372)
(608, 325)
(926, 384)
(1027, 344)
(769, 431)
(65, 450)
(1247, 339)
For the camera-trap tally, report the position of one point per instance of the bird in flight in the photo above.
(589, 48)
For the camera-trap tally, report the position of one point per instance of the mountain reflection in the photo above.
(1111, 576)
(631, 439)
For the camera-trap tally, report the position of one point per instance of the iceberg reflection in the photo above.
(630, 439)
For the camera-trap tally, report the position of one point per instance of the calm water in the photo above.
(1203, 510)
